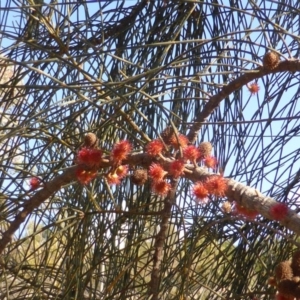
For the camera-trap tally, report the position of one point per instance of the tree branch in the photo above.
(292, 65)
(242, 194)
(160, 241)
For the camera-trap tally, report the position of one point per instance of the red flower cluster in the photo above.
(210, 162)
(120, 151)
(214, 185)
(156, 172)
(92, 158)
(155, 147)
(85, 176)
(178, 141)
(176, 168)
(245, 212)
(34, 183)
(279, 211)
(89, 157)
(161, 187)
(119, 173)
(253, 88)
(200, 191)
(191, 153)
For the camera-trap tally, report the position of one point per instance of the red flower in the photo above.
(179, 140)
(34, 183)
(243, 211)
(113, 178)
(191, 153)
(216, 185)
(161, 187)
(156, 172)
(200, 191)
(122, 171)
(84, 176)
(119, 173)
(279, 211)
(210, 162)
(155, 147)
(253, 88)
(89, 157)
(120, 151)
(176, 168)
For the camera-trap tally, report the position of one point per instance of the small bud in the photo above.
(90, 140)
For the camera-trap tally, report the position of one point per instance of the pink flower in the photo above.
(120, 151)
(156, 172)
(34, 183)
(155, 147)
(279, 211)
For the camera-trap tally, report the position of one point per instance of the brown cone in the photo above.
(270, 60)
(205, 149)
(90, 140)
(283, 271)
(296, 263)
(139, 177)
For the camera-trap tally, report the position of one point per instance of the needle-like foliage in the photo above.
(126, 71)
